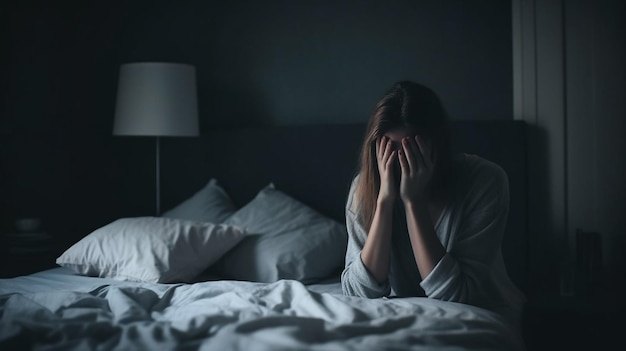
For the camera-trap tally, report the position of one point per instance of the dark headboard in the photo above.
(315, 164)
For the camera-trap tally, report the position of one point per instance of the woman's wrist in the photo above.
(385, 200)
(414, 203)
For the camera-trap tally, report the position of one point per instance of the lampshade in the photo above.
(156, 99)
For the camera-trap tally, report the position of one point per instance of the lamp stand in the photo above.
(158, 177)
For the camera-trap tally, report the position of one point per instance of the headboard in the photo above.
(316, 163)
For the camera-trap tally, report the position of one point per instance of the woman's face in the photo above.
(396, 136)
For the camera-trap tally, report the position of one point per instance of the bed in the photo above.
(248, 256)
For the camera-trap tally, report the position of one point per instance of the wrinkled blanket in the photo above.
(233, 315)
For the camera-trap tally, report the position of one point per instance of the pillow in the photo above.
(209, 204)
(150, 249)
(286, 240)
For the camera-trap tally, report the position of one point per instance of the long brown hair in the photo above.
(406, 104)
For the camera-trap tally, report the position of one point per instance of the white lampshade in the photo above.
(156, 99)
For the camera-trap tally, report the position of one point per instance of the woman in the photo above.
(421, 221)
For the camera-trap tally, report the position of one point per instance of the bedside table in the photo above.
(26, 253)
(555, 322)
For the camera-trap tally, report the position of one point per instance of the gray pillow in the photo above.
(210, 204)
(286, 240)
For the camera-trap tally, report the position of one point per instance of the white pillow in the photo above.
(151, 249)
(286, 240)
(209, 204)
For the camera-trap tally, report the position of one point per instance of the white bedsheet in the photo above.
(58, 310)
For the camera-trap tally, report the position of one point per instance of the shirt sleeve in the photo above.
(356, 280)
(465, 273)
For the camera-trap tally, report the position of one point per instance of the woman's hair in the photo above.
(406, 104)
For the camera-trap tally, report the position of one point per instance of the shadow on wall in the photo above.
(547, 242)
(226, 106)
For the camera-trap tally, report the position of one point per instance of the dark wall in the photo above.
(258, 63)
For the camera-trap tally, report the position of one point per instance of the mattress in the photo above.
(58, 309)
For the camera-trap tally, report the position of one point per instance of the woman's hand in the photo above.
(417, 165)
(385, 158)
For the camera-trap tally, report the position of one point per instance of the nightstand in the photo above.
(555, 322)
(26, 253)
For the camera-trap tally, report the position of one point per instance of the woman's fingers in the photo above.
(410, 155)
(387, 152)
(427, 154)
(382, 144)
(404, 165)
(383, 151)
(419, 151)
(414, 148)
(391, 159)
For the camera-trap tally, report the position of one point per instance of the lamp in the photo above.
(156, 99)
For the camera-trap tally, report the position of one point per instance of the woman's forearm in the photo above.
(376, 250)
(427, 248)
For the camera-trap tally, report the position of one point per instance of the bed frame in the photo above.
(316, 163)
